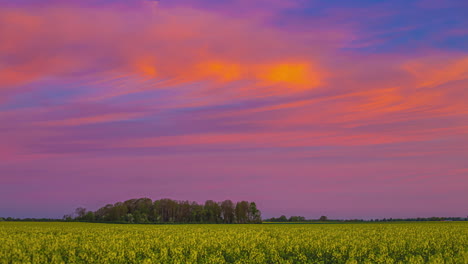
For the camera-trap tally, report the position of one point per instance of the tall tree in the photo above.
(254, 214)
(227, 211)
(242, 211)
(80, 212)
(212, 212)
(196, 213)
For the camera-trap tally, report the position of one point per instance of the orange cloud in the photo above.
(435, 71)
(297, 75)
(148, 70)
(219, 70)
(162, 45)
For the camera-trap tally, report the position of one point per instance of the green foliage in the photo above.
(255, 216)
(296, 219)
(323, 218)
(145, 211)
(242, 212)
(26, 242)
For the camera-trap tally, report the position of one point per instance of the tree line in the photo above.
(302, 219)
(144, 210)
(283, 219)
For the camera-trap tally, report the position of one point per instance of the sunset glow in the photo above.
(306, 107)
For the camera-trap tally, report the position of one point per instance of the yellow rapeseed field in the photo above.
(27, 242)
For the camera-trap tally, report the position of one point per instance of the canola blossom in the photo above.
(28, 242)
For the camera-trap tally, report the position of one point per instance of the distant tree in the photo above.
(141, 209)
(105, 213)
(144, 206)
(118, 212)
(2, 219)
(196, 212)
(323, 218)
(164, 207)
(80, 212)
(242, 211)
(227, 211)
(155, 214)
(89, 217)
(137, 218)
(67, 217)
(168, 210)
(129, 218)
(173, 207)
(254, 214)
(297, 219)
(282, 218)
(212, 212)
(184, 212)
(131, 205)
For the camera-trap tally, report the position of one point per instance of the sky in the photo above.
(349, 109)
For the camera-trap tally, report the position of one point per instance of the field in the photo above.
(432, 242)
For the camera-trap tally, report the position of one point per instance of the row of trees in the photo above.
(144, 210)
(420, 219)
(323, 218)
(283, 218)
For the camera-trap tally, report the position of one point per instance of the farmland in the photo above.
(59, 242)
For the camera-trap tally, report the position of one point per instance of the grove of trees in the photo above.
(144, 210)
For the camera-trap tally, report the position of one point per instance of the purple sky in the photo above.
(350, 109)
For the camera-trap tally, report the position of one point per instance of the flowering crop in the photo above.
(27, 242)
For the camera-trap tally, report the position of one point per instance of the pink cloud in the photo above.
(122, 97)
